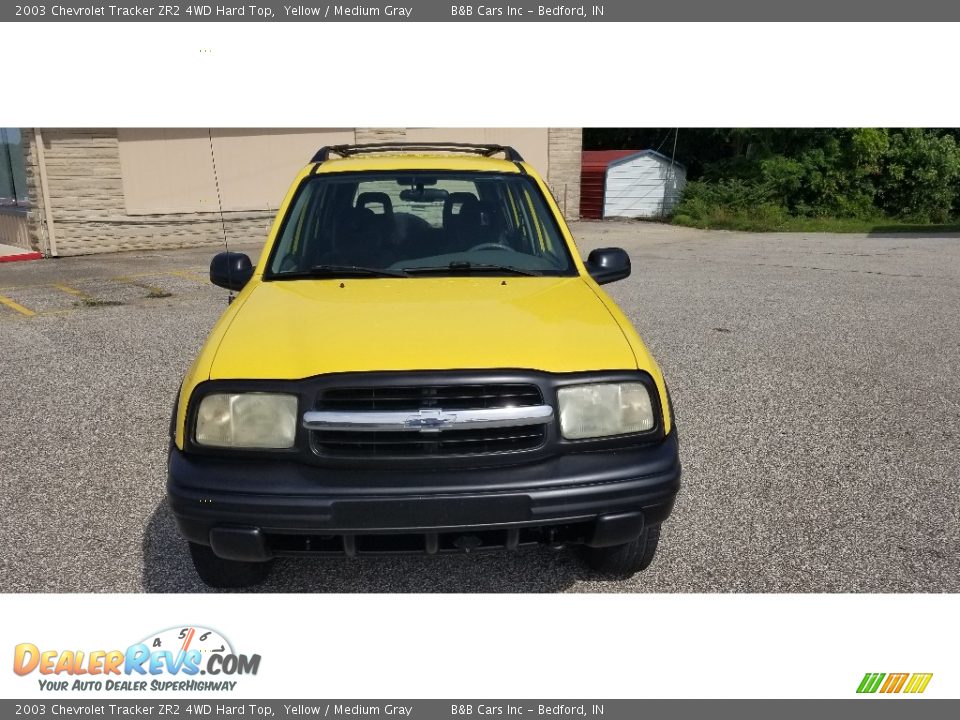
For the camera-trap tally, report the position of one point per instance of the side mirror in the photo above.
(606, 265)
(230, 270)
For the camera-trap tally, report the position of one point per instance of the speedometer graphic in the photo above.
(183, 639)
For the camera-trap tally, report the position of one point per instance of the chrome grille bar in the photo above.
(427, 419)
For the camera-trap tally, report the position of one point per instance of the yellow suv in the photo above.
(420, 362)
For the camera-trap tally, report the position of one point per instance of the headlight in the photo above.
(247, 420)
(602, 409)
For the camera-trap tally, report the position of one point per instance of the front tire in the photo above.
(219, 573)
(624, 561)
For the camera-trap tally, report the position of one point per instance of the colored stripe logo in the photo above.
(913, 683)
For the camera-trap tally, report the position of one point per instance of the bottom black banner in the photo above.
(872, 707)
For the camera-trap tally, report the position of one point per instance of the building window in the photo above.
(13, 176)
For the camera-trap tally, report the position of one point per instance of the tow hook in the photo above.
(552, 542)
(467, 543)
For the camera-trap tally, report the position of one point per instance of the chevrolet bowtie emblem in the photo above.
(431, 420)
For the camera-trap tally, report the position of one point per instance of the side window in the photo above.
(301, 225)
(526, 209)
(13, 178)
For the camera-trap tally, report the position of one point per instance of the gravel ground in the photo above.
(814, 378)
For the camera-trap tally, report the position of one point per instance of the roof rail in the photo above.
(324, 153)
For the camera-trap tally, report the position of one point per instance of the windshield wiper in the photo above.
(337, 271)
(464, 267)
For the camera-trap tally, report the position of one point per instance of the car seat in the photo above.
(384, 218)
(457, 225)
(359, 240)
(479, 224)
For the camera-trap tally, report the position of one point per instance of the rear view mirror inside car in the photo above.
(423, 195)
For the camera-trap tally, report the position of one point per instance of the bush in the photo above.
(921, 176)
(865, 174)
(731, 204)
(733, 194)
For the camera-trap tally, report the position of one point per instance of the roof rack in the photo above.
(324, 153)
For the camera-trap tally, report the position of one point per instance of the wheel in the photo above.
(219, 573)
(623, 561)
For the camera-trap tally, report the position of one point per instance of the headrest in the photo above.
(364, 198)
(466, 201)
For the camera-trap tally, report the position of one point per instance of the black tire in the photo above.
(624, 561)
(219, 573)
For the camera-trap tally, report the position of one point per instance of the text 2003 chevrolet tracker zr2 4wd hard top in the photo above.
(420, 362)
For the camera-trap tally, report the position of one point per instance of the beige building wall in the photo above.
(530, 142)
(565, 148)
(36, 229)
(14, 228)
(128, 189)
(173, 171)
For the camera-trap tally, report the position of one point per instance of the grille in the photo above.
(413, 444)
(487, 441)
(430, 543)
(416, 397)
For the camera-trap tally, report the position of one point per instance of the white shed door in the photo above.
(646, 186)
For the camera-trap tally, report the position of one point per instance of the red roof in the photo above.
(602, 158)
(593, 176)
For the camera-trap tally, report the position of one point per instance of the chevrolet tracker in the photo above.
(420, 361)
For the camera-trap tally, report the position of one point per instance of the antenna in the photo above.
(223, 224)
(673, 172)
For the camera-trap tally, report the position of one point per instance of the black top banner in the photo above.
(495, 11)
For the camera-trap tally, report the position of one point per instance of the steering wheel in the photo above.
(491, 246)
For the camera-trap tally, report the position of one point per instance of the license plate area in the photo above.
(431, 512)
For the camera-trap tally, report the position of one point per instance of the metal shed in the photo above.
(629, 183)
(593, 179)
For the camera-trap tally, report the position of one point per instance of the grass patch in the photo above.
(771, 219)
(158, 293)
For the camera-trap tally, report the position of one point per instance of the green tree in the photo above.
(858, 173)
(921, 176)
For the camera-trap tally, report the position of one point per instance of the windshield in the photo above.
(410, 223)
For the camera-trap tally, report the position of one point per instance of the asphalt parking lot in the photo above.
(815, 380)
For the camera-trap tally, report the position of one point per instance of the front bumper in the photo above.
(259, 509)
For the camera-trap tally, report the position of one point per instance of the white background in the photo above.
(481, 74)
(523, 646)
(478, 74)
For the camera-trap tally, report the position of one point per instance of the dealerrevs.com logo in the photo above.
(176, 659)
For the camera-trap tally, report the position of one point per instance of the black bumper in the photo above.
(256, 510)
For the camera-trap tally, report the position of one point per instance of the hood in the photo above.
(294, 329)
